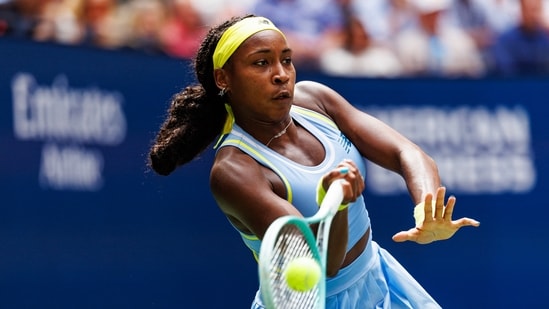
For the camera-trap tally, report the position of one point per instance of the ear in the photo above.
(221, 79)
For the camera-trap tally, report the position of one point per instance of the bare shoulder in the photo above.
(232, 168)
(311, 89)
(235, 177)
(311, 95)
(309, 86)
(239, 184)
(321, 98)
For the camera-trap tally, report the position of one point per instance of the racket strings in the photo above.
(290, 244)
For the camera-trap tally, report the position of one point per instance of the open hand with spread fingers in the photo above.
(434, 220)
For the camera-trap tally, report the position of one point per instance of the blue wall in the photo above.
(84, 224)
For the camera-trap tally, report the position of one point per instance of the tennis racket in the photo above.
(288, 238)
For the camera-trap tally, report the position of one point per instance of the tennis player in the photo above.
(279, 143)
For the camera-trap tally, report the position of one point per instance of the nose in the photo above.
(280, 74)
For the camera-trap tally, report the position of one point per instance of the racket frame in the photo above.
(318, 245)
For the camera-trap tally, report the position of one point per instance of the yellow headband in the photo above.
(236, 34)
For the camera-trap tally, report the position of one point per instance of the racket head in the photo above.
(286, 239)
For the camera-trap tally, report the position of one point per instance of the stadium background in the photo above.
(108, 233)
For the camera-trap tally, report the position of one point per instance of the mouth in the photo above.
(282, 95)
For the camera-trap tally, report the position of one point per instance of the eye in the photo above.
(287, 60)
(261, 62)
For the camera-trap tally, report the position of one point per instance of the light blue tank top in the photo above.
(300, 180)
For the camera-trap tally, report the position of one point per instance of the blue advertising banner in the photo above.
(490, 139)
(85, 224)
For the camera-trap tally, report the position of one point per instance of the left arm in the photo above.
(376, 141)
(384, 146)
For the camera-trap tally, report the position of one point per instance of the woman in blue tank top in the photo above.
(276, 140)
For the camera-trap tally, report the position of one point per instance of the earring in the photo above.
(222, 92)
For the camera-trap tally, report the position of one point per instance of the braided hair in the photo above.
(196, 114)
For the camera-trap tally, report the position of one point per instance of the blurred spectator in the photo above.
(146, 22)
(471, 16)
(183, 29)
(310, 26)
(216, 11)
(86, 22)
(60, 21)
(18, 18)
(500, 14)
(359, 54)
(103, 27)
(448, 38)
(524, 48)
(546, 14)
(8, 16)
(384, 18)
(436, 47)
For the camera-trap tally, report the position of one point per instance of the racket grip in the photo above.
(331, 198)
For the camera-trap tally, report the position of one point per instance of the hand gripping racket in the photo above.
(288, 238)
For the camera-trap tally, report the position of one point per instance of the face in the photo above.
(260, 77)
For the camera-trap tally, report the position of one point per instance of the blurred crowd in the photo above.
(366, 38)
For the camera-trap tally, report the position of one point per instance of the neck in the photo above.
(280, 133)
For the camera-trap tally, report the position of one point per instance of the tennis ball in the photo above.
(302, 273)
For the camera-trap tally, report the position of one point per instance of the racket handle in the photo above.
(333, 198)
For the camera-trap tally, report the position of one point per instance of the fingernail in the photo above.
(344, 170)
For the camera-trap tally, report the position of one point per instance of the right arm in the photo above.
(252, 197)
(247, 192)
